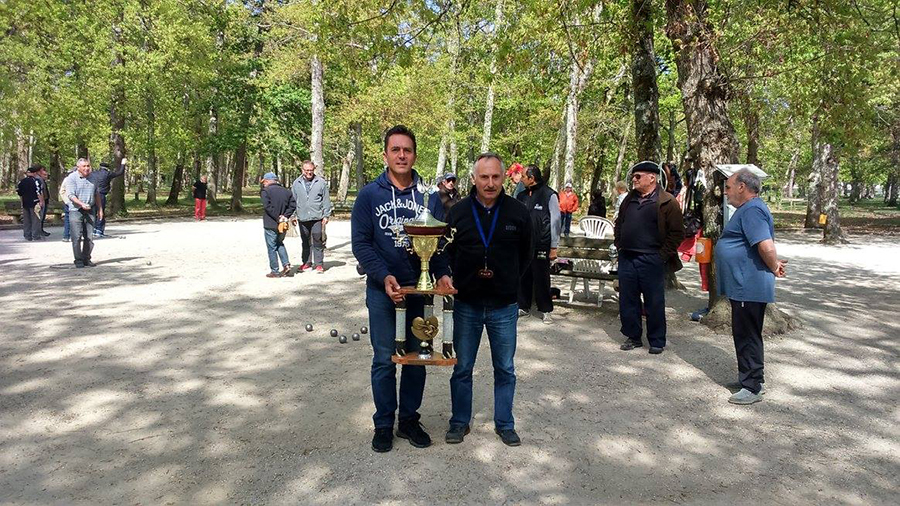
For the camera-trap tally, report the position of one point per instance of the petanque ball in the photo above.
(333, 332)
(309, 327)
(355, 337)
(364, 330)
(343, 339)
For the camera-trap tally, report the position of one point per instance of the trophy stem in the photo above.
(425, 282)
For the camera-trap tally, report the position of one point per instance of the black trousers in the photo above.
(746, 328)
(535, 283)
(642, 276)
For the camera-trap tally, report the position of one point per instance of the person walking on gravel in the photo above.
(278, 204)
(747, 265)
(313, 209)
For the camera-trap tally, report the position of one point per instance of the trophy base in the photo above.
(413, 359)
(412, 290)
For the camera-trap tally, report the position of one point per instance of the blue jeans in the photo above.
(65, 218)
(469, 320)
(642, 276)
(382, 317)
(566, 223)
(81, 224)
(275, 248)
(100, 225)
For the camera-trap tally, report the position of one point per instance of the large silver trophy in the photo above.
(425, 233)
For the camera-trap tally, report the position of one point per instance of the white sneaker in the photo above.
(744, 397)
(523, 313)
(547, 319)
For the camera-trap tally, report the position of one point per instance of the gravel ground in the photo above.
(176, 373)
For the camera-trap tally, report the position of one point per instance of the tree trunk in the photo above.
(116, 203)
(704, 91)
(555, 165)
(152, 169)
(316, 148)
(792, 170)
(643, 76)
(670, 149)
(814, 190)
(346, 162)
(55, 171)
(81, 150)
(751, 123)
(489, 101)
(21, 153)
(620, 158)
(830, 164)
(895, 159)
(442, 157)
(359, 162)
(578, 79)
(213, 160)
(177, 181)
(596, 163)
(237, 177)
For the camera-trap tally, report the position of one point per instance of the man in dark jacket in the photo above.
(543, 204)
(379, 244)
(102, 178)
(278, 204)
(447, 192)
(490, 252)
(29, 190)
(648, 231)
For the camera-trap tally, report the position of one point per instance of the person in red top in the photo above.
(568, 204)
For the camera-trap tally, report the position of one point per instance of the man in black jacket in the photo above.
(543, 204)
(278, 204)
(648, 231)
(490, 251)
(102, 178)
(29, 189)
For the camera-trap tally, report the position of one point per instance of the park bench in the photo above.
(14, 209)
(589, 259)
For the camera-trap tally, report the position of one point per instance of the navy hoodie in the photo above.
(378, 207)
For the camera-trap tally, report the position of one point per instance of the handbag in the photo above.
(292, 228)
(692, 218)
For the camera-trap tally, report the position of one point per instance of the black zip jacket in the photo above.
(508, 254)
(538, 196)
(277, 201)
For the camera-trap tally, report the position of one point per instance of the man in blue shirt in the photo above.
(747, 266)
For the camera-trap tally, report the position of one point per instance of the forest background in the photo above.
(808, 90)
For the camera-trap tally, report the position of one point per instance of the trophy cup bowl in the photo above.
(424, 241)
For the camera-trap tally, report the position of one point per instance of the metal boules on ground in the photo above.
(342, 339)
(355, 336)
(334, 333)
(364, 330)
(309, 327)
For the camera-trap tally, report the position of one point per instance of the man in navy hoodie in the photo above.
(379, 244)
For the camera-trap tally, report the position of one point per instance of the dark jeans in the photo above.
(382, 318)
(81, 224)
(535, 283)
(642, 275)
(746, 328)
(44, 213)
(276, 250)
(469, 320)
(312, 230)
(31, 224)
(66, 210)
(100, 225)
(566, 222)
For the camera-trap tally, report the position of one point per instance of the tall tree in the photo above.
(643, 78)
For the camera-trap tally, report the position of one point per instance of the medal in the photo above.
(485, 273)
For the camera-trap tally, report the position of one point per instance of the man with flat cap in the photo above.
(648, 231)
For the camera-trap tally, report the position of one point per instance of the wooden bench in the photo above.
(14, 209)
(587, 259)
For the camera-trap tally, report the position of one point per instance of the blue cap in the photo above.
(449, 175)
(270, 175)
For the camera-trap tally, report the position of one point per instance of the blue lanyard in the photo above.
(486, 241)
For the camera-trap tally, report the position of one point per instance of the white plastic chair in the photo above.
(593, 227)
(596, 227)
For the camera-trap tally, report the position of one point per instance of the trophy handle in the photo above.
(449, 240)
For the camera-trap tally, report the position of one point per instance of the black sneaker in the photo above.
(383, 440)
(509, 437)
(415, 433)
(456, 434)
(90, 264)
(655, 351)
(630, 345)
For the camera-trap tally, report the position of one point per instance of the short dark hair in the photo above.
(534, 172)
(34, 168)
(399, 130)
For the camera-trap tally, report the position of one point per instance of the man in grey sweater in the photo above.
(313, 209)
